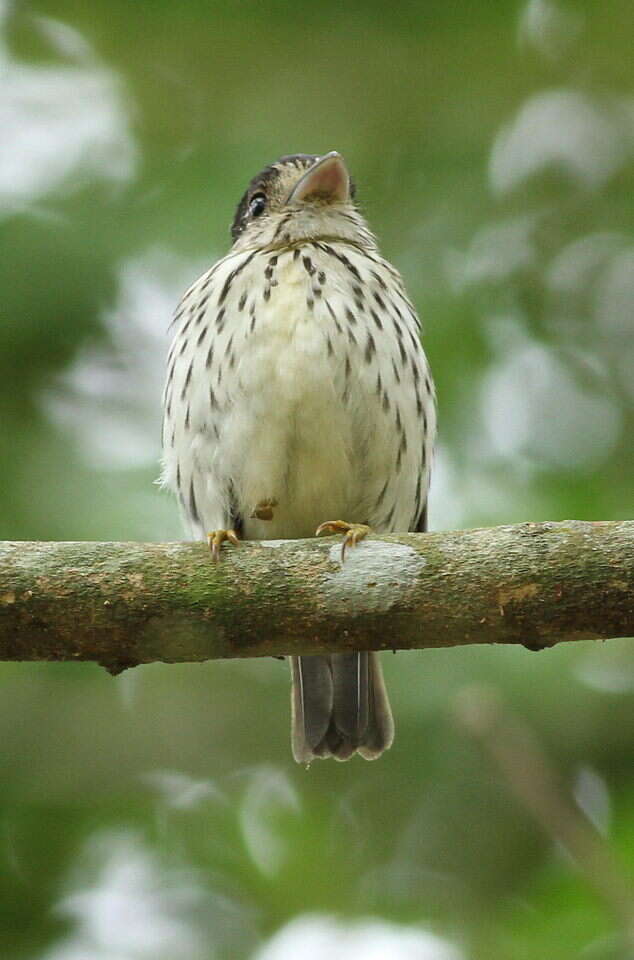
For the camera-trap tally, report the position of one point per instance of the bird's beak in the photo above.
(327, 179)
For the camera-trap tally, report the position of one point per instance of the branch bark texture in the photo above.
(122, 604)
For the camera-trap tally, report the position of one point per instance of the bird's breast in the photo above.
(289, 432)
(297, 378)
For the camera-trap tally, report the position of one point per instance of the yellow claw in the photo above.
(216, 538)
(353, 533)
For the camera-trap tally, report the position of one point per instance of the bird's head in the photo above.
(298, 198)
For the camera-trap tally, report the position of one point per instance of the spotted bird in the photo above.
(298, 391)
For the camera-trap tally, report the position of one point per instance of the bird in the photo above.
(299, 401)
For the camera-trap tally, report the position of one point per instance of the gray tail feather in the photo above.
(339, 706)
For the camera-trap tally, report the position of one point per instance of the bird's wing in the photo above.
(383, 378)
(208, 324)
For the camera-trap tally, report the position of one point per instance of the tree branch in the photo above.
(127, 603)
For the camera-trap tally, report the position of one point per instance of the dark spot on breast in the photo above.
(350, 266)
(187, 380)
(370, 348)
(213, 403)
(321, 277)
(242, 300)
(308, 265)
(379, 299)
(226, 288)
(310, 303)
(210, 356)
(332, 314)
(376, 319)
(267, 293)
(193, 508)
(397, 375)
(231, 277)
(202, 305)
(268, 272)
(188, 417)
(220, 318)
(350, 317)
(379, 279)
(201, 336)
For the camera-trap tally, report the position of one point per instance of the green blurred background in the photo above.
(159, 814)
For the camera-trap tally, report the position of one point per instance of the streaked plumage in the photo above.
(296, 379)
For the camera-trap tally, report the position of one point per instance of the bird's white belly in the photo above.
(286, 437)
(292, 436)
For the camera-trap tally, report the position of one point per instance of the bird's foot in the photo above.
(353, 533)
(216, 538)
(264, 510)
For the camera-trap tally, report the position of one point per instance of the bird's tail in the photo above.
(339, 706)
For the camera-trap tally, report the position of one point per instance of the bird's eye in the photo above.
(257, 205)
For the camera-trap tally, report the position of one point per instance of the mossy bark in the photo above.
(121, 604)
